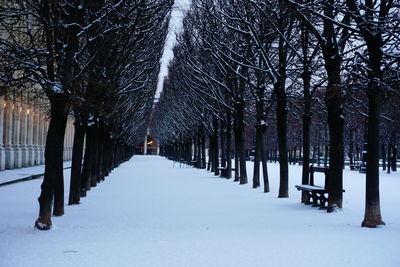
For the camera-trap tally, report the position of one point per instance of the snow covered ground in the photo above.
(15, 174)
(148, 213)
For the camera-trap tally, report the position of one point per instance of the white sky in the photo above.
(175, 27)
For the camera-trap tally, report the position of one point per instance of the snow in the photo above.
(149, 213)
(15, 174)
(57, 88)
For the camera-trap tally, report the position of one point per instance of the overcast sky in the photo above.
(175, 27)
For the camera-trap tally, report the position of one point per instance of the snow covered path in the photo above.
(148, 213)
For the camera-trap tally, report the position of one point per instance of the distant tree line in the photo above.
(97, 61)
(320, 75)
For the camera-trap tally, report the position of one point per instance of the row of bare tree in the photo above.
(270, 62)
(97, 61)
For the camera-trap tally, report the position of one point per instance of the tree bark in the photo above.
(53, 176)
(306, 75)
(281, 109)
(76, 165)
(334, 102)
(237, 165)
(257, 158)
(203, 150)
(372, 217)
(94, 178)
(389, 163)
(228, 145)
(216, 147)
(239, 138)
(223, 172)
(281, 117)
(336, 126)
(87, 162)
(264, 164)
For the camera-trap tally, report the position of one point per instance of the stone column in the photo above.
(8, 135)
(23, 136)
(8, 117)
(2, 121)
(145, 146)
(16, 135)
(36, 133)
(30, 136)
(41, 142)
(44, 129)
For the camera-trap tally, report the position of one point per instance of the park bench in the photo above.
(354, 166)
(181, 161)
(316, 195)
(224, 170)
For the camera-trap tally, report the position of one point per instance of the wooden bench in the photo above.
(181, 161)
(354, 166)
(224, 171)
(315, 194)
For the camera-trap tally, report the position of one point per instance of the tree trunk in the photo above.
(281, 118)
(334, 103)
(281, 112)
(228, 146)
(107, 156)
(389, 163)
(101, 155)
(216, 147)
(87, 162)
(76, 165)
(198, 157)
(203, 151)
(239, 137)
(237, 165)
(264, 162)
(52, 186)
(336, 126)
(223, 149)
(260, 129)
(372, 217)
(306, 76)
(94, 178)
(257, 157)
(210, 154)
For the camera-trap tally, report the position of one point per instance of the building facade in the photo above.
(23, 130)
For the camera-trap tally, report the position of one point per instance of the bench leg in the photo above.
(323, 201)
(309, 196)
(315, 199)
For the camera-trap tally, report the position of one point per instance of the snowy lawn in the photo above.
(148, 213)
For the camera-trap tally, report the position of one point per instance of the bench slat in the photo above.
(311, 188)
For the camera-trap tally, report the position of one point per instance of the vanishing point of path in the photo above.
(151, 213)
